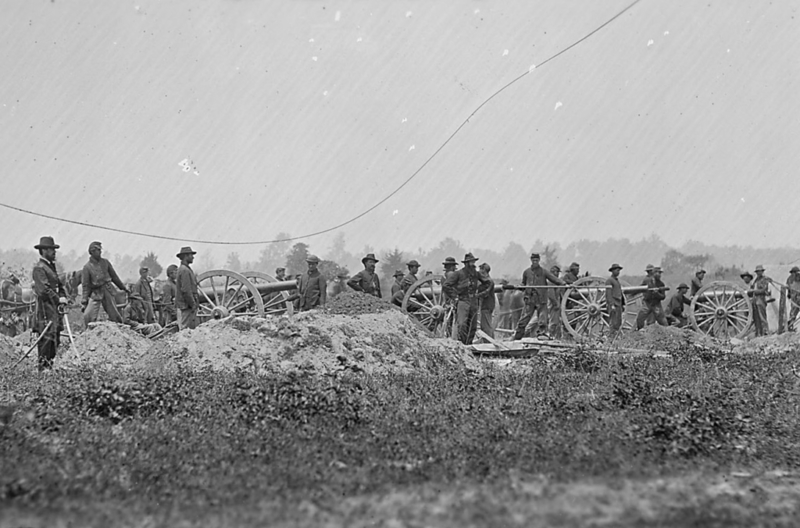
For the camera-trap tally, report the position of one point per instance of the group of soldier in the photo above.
(98, 279)
(471, 290)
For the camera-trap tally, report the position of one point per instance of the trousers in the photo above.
(760, 318)
(486, 322)
(647, 310)
(187, 319)
(615, 315)
(538, 307)
(467, 320)
(108, 303)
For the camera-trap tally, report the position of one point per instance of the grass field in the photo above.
(580, 439)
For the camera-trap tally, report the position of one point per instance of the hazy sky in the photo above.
(680, 119)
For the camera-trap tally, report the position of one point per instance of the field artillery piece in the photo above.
(223, 293)
(720, 309)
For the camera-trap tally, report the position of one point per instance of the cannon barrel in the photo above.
(263, 288)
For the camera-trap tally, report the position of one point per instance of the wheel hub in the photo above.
(594, 310)
(720, 312)
(437, 312)
(219, 312)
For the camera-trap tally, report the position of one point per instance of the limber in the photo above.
(195, 436)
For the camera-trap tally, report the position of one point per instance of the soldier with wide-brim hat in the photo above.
(312, 288)
(469, 257)
(186, 295)
(366, 280)
(674, 313)
(761, 296)
(50, 294)
(793, 283)
(746, 274)
(615, 299)
(615, 266)
(467, 286)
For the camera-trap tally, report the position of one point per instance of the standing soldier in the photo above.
(366, 280)
(615, 300)
(554, 303)
(50, 295)
(675, 315)
(697, 282)
(450, 266)
(168, 297)
(145, 291)
(652, 297)
(760, 294)
(98, 275)
(535, 298)
(793, 283)
(466, 286)
(186, 290)
(312, 288)
(397, 285)
(280, 274)
(488, 302)
(572, 273)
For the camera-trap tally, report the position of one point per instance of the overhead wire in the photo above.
(363, 213)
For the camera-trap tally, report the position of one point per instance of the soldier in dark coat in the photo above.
(467, 286)
(675, 315)
(536, 298)
(50, 294)
(186, 294)
(312, 288)
(96, 282)
(615, 300)
(488, 301)
(651, 300)
(145, 291)
(168, 314)
(366, 280)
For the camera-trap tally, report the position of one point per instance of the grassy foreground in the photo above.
(109, 447)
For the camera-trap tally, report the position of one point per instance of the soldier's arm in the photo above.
(86, 285)
(323, 290)
(449, 285)
(355, 282)
(115, 278)
(552, 278)
(378, 286)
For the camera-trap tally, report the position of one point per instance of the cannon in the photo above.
(224, 292)
(720, 309)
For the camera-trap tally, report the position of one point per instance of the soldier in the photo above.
(747, 277)
(697, 282)
(793, 283)
(135, 315)
(98, 275)
(572, 273)
(145, 291)
(488, 302)
(675, 315)
(397, 285)
(339, 284)
(651, 299)
(615, 300)
(366, 280)
(466, 286)
(408, 280)
(186, 298)
(450, 266)
(312, 289)
(554, 303)
(535, 298)
(760, 300)
(50, 296)
(168, 296)
(280, 274)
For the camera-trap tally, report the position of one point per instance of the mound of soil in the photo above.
(356, 303)
(665, 338)
(316, 341)
(772, 344)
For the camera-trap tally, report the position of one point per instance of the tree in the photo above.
(550, 257)
(233, 262)
(391, 261)
(330, 269)
(338, 251)
(296, 259)
(151, 261)
(274, 255)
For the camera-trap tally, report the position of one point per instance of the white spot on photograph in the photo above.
(395, 212)
(505, 52)
(311, 40)
(404, 120)
(338, 16)
(533, 67)
(358, 39)
(314, 59)
(666, 33)
(477, 11)
(412, 147)
(325, 92)
(409, 14)
(650, 42)
(558, 105)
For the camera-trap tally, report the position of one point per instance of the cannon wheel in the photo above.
(223, 293)
(721, 309)
(425, 303)
(274, 303)
(583, 308)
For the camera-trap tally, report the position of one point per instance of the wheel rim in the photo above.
(425, 302)
(274, 303)
(223, 293)
(583, 308)
(721, 309)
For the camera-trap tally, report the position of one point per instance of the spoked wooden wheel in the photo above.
(425, 302)
(583, 308)
(721, 309)
(274, 302)
(223, 293)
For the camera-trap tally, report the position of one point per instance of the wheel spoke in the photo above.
(235, 295)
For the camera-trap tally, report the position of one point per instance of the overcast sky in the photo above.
(679, 119)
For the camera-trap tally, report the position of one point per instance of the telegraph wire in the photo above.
(365, 212)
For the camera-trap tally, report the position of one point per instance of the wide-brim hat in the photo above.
(449, 260)
(469, 257)
(369, 256)
(614, 266)
(312, 258)
(398, 273)
(186, 250)
(574, 265)
(46, 242)
(700, 271)
(412, 263)
(760, 268)
(795, 269)
(746, 274)
(649, 267)
(535, 255)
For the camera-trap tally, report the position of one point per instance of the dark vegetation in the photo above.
(211, 438)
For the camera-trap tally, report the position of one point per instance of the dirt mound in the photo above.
(665, 338)
(772, 344)
(316, 341)
(108, 344)
(356, 303)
